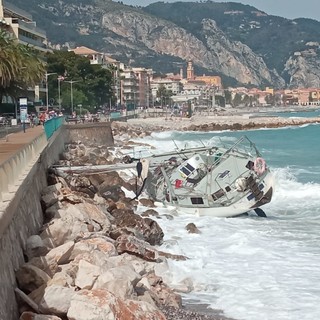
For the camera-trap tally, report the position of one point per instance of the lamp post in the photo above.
(71, 92)
(60, 78)
(47, 91)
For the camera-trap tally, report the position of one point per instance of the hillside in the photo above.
(238, 42)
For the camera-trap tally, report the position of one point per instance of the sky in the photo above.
(290, 9)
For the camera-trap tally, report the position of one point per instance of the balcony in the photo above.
(35, 43)
(30, 27)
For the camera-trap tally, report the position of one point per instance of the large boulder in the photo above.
(140, 248)
(100, 304)
(142, 228)
(120, 281)
(87, 275)
(56, 300)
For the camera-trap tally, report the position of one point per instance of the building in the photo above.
(213, 81)
(129, 89)
(144, 93)
(190, 71)
(175, 86)
(95, 57)
(21, 25)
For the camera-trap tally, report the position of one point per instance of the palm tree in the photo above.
(20, 66)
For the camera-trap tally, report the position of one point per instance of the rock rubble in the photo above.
(94, 257)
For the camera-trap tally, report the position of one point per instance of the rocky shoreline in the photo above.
(94, 257)
(219, 122)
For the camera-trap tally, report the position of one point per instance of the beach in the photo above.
(233, 119)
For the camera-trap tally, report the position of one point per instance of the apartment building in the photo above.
(175, 86)
(21, 25)
(129, 89)
(143, 78)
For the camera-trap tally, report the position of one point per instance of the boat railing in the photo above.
(242, 146)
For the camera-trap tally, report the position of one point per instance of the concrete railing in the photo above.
(14, 170)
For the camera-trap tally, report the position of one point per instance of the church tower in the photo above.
(190, 71)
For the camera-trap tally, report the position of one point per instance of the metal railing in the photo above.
(52, 125)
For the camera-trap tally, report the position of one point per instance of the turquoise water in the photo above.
(254, 268)
(295, 147)
(295, 114)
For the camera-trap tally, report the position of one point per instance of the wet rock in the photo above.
(192, 228)
(150, 212)
(143, 228)
(113, 192)
(140, 248)
(147, 202)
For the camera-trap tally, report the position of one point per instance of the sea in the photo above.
(249, 267)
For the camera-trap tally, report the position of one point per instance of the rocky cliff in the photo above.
(141, 38)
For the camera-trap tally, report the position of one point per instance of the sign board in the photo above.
(23, 109)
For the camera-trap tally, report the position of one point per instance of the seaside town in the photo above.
(117, 185)
(133, 88)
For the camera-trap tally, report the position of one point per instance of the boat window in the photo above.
(188, 169)
(218, 194)
(197, 201)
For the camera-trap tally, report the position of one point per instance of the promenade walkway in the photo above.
(14, 142)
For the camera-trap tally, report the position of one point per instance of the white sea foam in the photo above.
(251, 268)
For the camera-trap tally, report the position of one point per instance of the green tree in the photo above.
(236, 101)
(21, 67)
(94, 82)
(164, 94)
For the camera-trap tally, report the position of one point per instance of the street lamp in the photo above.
(47, 91)
(71, 92)
(60, 78)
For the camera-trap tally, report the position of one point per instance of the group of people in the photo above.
(36, 120)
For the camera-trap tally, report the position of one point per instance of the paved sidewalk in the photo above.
(16, 142)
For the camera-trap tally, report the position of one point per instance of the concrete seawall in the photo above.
(88, 133)
(21, 215)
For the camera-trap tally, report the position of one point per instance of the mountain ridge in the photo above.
(242, 44)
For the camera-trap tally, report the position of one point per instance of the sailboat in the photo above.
(223, 181)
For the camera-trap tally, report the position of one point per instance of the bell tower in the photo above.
(190, 71)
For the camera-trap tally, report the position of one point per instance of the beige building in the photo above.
(172, 85)
(135, 87)
(21, 25)
(95, 57)
(143, 77)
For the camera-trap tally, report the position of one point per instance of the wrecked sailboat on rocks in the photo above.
(222, 181)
